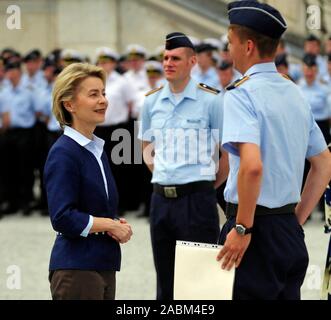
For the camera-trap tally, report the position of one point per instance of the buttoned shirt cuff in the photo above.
(86, 231)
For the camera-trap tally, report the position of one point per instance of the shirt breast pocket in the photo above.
(157, 123)
(200, 123)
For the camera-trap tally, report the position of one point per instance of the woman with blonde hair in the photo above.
(81, 192)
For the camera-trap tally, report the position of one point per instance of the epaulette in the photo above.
(285, 76)
(153, 91)
(208, 89)
(237, 83)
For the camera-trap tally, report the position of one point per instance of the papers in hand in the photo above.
(198, 276)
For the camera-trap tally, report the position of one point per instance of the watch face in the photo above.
(240, 229)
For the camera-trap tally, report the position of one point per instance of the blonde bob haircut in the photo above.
(65, 88)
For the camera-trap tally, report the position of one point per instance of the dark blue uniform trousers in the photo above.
(192, 217)
(275, 263)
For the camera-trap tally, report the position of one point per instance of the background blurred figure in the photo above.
(226, 75)
(120, 96)
(282, 55)
(33, 77)
(328, 46)
(225, 53)
(18, 119)
(136, 75)
(312, 46)
(138, 80)
(50, 129)
(282, 65)
(157, 55)
(69, 56)
(205, 72)
(327, 78)
(317, 94)
(155, 76)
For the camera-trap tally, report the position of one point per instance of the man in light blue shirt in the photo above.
(18, 118)
(316, 93)
(268, 131)
(181, 127)
(312, 46)
(205, 70)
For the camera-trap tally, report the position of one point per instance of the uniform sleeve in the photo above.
(33, 99)
(240, 122)
(129, 92)
(329, 104)
(145, 123)
(316, 143)
(1, 104)
(216, 116)
(39, 102)
(5, 106)
(62, 186)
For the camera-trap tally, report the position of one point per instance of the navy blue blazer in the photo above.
(75, 189)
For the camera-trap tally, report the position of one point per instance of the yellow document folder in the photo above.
(198, 276)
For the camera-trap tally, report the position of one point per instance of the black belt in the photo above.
(231, 210)
(177, 191)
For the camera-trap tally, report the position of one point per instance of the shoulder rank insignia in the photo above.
(208, 89)
(237, 83)
(153, 91)
(285, 76)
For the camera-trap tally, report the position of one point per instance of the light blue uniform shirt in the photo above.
(210, 78)
(182, 133)
(317, 96)
(21, 105)
(45, 106)
(95, 146)
(37, 82)
(322, 64)
(271, 112)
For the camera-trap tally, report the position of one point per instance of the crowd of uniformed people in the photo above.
(28, 128)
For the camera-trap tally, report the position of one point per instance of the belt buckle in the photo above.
(170, 192)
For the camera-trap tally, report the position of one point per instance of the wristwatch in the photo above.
(242, 230)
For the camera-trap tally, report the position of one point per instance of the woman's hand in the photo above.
(120, 231)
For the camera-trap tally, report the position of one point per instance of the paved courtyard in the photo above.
(26, 242)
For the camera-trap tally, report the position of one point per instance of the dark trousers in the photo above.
(325, 128)
(189, 218)
(121, 171)
(3, 169)
(82, 285)
(324, 125)
(275, 263)
(19, 157)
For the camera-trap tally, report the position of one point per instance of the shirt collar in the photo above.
(189, 92)
(261, 67)
(82, 140)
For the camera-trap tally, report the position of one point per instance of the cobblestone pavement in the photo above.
(26, 242)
